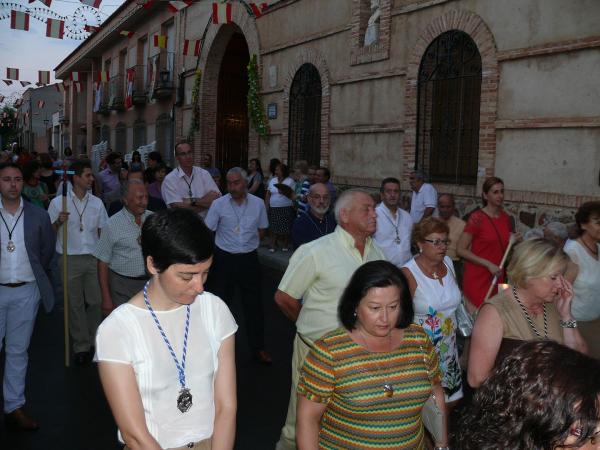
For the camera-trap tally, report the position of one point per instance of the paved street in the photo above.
(73, 414)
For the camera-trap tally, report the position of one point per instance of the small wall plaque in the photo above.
(272, 111)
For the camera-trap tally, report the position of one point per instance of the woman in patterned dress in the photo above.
(436, 296)
(363, 386)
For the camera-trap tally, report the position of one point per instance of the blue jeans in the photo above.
(18, 309)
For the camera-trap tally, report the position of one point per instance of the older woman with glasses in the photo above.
(436, 296)
(536, 307)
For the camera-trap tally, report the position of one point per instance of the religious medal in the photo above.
(80, 214)
(388, 389)
(80, 227)
(184, 401)
(11, 247)
(397, 240)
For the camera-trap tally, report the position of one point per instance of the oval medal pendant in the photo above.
(11, 247)
(184, 401)
(388, 389)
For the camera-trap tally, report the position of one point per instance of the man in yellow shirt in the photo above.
(318, 272)
(447, 212)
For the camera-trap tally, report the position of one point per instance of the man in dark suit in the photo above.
(26, 250)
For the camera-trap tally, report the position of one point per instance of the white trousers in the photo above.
(18, 309)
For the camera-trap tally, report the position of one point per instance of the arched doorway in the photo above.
(449, 97)
(305, 116)
(232, 106)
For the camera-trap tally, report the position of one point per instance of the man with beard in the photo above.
(317, 221)
(318, 272)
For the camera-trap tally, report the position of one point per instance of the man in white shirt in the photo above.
(26, 251)
(189, 186)
(394, 225)
(85, 218)
(239, 220)
(424, 197)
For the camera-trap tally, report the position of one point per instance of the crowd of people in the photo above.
(373, 291)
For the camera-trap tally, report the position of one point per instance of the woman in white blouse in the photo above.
(166, 358)
(585, 274)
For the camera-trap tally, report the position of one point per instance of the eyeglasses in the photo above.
(438, 242)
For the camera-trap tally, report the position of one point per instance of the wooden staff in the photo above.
(511, 242)
(65, 266)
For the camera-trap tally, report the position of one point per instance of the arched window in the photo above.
(449, 92)
(164, 138)
(139, 134)
(305, 116)
(120, 138)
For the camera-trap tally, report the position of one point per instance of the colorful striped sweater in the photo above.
(350, 379)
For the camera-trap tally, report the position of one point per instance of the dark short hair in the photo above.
(79, 165)
(532, 400)
(112, 157)
(585, 211)
(181, 143)
(176, 236)
(30, 168)
(389, 180)
(326, 172)
(10, 164)
(273, 163)
(155, 156)
(371, 275)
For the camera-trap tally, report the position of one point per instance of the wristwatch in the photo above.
(572, 323)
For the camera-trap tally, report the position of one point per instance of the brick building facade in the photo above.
(461, 88)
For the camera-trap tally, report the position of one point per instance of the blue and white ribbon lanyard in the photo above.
(184, 400)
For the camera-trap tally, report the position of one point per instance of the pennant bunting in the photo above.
(8, 82)
(103, 76)
(148, 4)
(92, 3)
(221, 13)
(41, 104)
(45, 2)
(19, 20)
(179, 5)
(60, 87)
(78, 87)
(187, 45)
(24, 83)
(43, 77)
(1, 98)
(12, 74)
(160, 40)
(75, 76)
(129, 94)
(127, 34)
(55, 28)
(91, 28)
(258, 8)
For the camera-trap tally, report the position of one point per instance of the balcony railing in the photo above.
(160, 77)
(140, 93)
(116, 92)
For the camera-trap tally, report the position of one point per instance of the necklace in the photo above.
(10, 246)
(184, 399)
(189, 185)
(388, 387)
(397, 240)
(528, 317)
(435, 274)
(237, 229)
(80, 214)
(592, 251)
(317, 226)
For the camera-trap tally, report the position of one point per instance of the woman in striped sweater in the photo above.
(363, 386)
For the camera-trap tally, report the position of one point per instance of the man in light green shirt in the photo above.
(318, 273)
